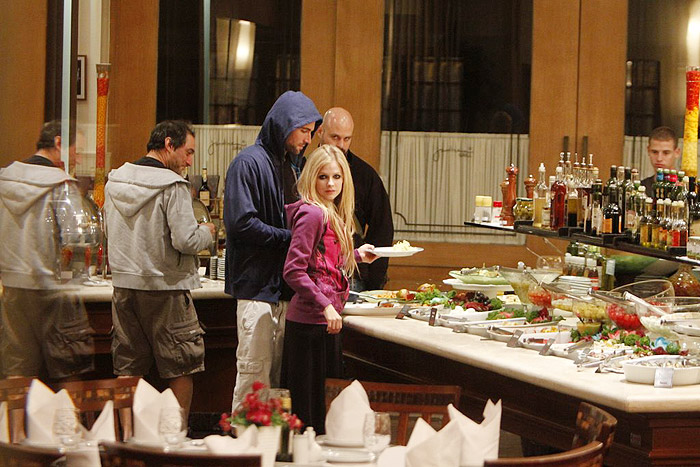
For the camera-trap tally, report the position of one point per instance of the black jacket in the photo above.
(373, 216)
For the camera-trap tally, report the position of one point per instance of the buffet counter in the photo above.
(540, 393)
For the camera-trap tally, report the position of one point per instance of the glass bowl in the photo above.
(625, 314)
(523, 279)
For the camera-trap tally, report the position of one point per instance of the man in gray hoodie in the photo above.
(42, 325)
(153, 241)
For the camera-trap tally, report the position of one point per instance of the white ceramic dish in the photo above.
(347, 456)
(391, 252)
(636, 373)
(480, 328)
(499, 335)
(537, 340)
(687, 329)
(323, 440)
(370, 309)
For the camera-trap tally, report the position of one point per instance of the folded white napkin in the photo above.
(103, 428)
(226, 445)
(479, 440)
(426, 448)
(42, 403)
(4, 423)
(346, 414)
(83, 456)
(146, 411)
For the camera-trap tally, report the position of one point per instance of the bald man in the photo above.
(372, 208)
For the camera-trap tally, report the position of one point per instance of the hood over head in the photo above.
(292, 110)
(21, 185)
(131, 186)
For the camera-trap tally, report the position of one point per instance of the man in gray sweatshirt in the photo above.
(153, 241)
(43, 326)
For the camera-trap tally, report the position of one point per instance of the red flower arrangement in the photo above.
(254, 411)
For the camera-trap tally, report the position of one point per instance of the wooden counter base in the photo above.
(542, 415)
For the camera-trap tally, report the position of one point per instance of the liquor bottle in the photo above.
(558, 203)
(656, 223)
(667, 184)
(627, 192)
(691, 196)
(596, 222)
(572, 204)
(611, 212)
(547, 208)
(204, 193)
(693, 210)
(680, 191)
(636, 211)
(664, 215)
(679, 226)
(657, 186)
(611, 181)
(540, 196)
(645, 224)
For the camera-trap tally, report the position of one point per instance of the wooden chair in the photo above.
(594, 424)
(14, 392)
(17, 455)
(404, 399)
(90, 397)
(124, 455)
(589, 455)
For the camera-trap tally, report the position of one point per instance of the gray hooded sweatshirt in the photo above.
(30, 233)
(152, 234)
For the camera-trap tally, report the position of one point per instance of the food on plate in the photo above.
(402, 245)
(587, 328)
(427, 287)
(405, 294)
(481, 276)
(532, 317)
(475, 300)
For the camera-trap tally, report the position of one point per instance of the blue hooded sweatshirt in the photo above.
(257, 237)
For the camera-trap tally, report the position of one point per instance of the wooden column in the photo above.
(341, 64)
(23, 65)
(133, 79)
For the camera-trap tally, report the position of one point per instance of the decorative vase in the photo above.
(100, 136)
(268, 442)
(689, 162)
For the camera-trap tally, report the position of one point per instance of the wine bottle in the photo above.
(204, 193)
(558, 205)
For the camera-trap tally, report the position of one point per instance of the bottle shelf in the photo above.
(619, 242)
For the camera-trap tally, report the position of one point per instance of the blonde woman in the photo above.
(319, 261)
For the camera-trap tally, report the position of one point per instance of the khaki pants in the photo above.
(260, 342)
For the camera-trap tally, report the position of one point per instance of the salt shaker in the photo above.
(300, 447)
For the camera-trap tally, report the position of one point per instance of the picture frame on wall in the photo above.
(81, 77)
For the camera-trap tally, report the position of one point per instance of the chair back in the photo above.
(125, 455)
(90, 397)
(14, 392)
(594, 424)
(589, 455)
(17, 455)
(405, 400)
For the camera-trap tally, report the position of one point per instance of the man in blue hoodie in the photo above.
(258, 182)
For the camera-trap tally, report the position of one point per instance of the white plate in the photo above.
(323, 440)
(344, 456)
(370, 309)
(390, 252)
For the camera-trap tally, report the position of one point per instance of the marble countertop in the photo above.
(211, 289)
(550, 372)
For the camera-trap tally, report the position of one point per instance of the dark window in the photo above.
(457, 66)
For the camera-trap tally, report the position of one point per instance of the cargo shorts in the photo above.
(44, 328)
(156, 325)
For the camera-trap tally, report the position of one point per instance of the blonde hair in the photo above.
(338, 213)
